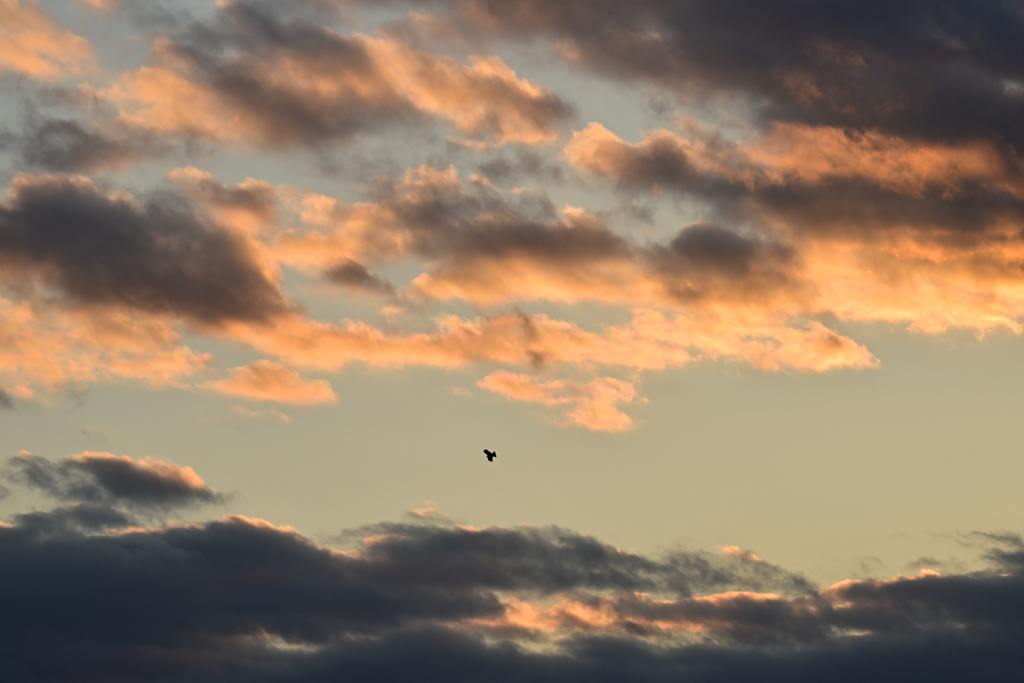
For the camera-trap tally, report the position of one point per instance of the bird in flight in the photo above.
(491, 455)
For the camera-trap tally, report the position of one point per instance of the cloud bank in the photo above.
(88, 596)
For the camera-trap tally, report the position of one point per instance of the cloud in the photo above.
(254, 75)
(106, 479)
(66, 145)
(242, 599)
(101, 6)
(489, 247)
(650, 341)
(107, 249)
(47, 347)
(6, 401)
(354, 275)
(269, 413)
(593, 403)
(32, 45)
(862, 225)
(267, 381)
(941, 72)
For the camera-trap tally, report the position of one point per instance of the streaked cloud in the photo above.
(47, 348)
(268, 381)
(255, 76)
(32, 45)
(593, 404)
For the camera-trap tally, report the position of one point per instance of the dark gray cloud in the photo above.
(161, 256)
(436, 655)
(523, 164)
(73, 519)
(204, 602)
(354, 275)
(6, 400)
(451, 221)
(703, 260)
(942, 70)
(102, 478)
(67, 146)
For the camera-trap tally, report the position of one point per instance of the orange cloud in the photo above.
(594, 402)
(267, 381)
(919, 233)
(930, 287)
(484, 99)
(44, 347)
(633, 613)
(794, 153)
(369, 82)
(31, 45)
(651, 341)
(161, 100)
(101, 6)
(735, 551)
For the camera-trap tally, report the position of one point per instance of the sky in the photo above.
(735, 290)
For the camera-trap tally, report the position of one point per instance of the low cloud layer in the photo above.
(244, 600)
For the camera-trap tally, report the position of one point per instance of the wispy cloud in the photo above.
(268, 381)
(33, 45)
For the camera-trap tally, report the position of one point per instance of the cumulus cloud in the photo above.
(244, 600)
(109, 250)
(268, 381)
(256, 76)
(104, 478)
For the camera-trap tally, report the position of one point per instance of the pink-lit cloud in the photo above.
(590, 404)
(46, 348)
(312, 85)
(32, 45)
(268, 381)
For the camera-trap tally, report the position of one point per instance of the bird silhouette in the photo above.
(491, 455)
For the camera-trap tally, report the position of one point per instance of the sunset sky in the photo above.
(735, 289)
